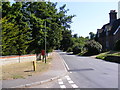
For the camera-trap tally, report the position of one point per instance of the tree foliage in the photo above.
(25, 24)
(93, 47)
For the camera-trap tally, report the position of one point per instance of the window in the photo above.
(107, 44)
(106, 33)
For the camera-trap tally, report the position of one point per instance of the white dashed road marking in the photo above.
(62, 86)
(74, 86)
(68, 79)
(70, 82)
(60, 82)
(67, 76)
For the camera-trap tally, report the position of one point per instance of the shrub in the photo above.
(117, 46)
(93, 47)
(76, 50)
(69, 49)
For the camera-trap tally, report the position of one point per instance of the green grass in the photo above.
(109, 53)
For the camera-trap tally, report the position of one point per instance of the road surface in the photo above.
(85, 72)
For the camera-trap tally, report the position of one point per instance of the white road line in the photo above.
(66, 66)
(70, 82)
(67, 76)
(62, 86)
(74, 85)
(60, 82)
(70, 72)
(68, 79)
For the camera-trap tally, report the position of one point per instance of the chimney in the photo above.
(113, 16)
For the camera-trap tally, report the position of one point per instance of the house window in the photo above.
(98, 35)
(106, 33)
(107, 44)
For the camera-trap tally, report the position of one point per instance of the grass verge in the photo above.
(112, 56)
(25, 69)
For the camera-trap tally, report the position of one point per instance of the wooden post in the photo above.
(34, 65)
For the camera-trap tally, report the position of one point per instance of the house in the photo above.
(110, 32)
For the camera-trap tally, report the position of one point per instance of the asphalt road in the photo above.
(85, 72)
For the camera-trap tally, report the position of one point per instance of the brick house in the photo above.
(110, 32)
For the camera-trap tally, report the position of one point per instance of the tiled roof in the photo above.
(114, 27)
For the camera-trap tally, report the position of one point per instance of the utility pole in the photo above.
(45, 41)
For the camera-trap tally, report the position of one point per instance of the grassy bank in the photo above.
(113, 54)
(23, 70)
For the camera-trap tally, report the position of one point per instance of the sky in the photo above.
(90, 14)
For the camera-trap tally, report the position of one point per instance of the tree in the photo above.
(9, 36)
(75, 36)
(93, 47)
(92, 35)
(21, 32)
(78, 44)
(28, 22)
(67, 40)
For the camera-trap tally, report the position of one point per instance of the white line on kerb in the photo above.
(63, 62)
(66, 65)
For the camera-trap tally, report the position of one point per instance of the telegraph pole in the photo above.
(45, 41)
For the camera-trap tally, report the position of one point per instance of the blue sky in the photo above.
(90, 16)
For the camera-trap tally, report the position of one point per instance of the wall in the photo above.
(16, 59)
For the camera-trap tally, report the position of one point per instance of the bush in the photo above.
(117, 46)
(93, 47)
(69, 50)
(76, 50)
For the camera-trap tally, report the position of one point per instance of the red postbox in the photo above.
(43, 52)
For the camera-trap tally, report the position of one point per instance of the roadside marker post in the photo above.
(34, 65)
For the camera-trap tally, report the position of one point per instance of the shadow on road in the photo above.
(79, 70)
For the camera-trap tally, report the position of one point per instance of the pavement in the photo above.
(56, 71)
